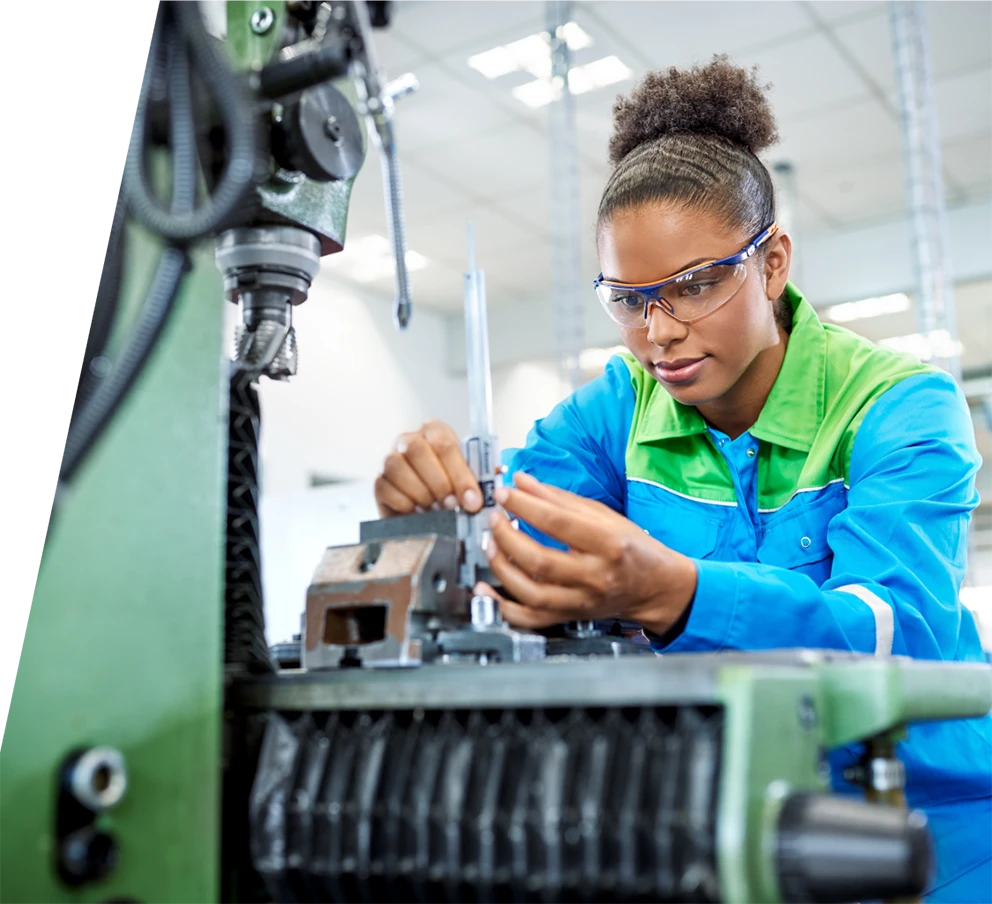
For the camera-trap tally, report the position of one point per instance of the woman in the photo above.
(745, 478)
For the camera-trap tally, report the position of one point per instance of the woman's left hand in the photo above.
(612, 569)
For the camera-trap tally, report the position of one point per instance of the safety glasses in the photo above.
(687, 296)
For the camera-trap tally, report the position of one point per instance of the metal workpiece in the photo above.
(267, 270)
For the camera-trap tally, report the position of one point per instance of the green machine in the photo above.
(410, 746)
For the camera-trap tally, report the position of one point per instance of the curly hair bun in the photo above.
(716, 99)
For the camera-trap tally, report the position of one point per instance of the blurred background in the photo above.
(484, 140)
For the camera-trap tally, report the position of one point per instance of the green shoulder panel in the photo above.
(858, 373)
(668, 444)
(829, 380)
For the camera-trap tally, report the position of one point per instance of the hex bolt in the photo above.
(262, 20)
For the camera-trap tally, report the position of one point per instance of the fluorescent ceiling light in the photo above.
(494, 63)
(531, 54)
(598, 74)
(581, 80)
(536, 94)
(937, 344)
(868, 307)
(370, 259)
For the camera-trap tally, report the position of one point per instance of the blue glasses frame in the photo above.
(650, 291)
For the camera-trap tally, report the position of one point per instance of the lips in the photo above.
(681, 370)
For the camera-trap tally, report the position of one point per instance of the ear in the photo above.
(778, 258)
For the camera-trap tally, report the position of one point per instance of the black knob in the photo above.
(320, 136)
(838, 849)
(87, 855)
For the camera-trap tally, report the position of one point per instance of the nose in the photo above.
(663, 329)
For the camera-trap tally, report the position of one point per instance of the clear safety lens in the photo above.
(685, 298)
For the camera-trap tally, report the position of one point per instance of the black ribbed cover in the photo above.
(519, 805)
(244, 620)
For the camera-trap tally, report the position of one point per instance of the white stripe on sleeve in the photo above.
(884, 619)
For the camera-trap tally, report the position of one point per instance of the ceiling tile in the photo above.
(806, 74)
(443, 26)
(490, 164)
(964, 105)
(869, 41)
(970, 164)
(856, 193)
(860, 130)
(396, 55)
(960, 39)
(837, 11)
(679, 33)
(442, 110)
(499, 90)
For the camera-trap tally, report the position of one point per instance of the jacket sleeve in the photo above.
(581, 445)
(899, 548)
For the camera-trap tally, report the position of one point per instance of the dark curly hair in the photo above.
(692, 137)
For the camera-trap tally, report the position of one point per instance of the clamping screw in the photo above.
(261, 20)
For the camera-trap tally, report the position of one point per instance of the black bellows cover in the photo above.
(518, 805)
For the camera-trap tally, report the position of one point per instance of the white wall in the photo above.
(522, 394)
(360, 384)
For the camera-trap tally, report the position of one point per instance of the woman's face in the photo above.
(700, 362)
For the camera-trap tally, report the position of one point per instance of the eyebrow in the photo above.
(689, 266)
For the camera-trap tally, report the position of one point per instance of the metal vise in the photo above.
(396, 599)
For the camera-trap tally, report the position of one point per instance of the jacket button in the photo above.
(805, 542)
(750, 453)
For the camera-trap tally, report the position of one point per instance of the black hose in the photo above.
(234, 190)
(100, 408)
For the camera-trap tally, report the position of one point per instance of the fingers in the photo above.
(557, 601)
(390, 500)
(544, 565)
(529, 484)
(400, 473)
(415, 449)
(446, 445)
(575, 528)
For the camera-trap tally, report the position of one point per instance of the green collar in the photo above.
(794, 409)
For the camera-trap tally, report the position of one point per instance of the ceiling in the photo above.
(470, 150)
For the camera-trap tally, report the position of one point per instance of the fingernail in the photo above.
(451, 502)
(418, 509)
(471, 499)
(502, 494)
(494, 519)
(435, 506)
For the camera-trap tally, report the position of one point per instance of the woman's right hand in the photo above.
(426, 470)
